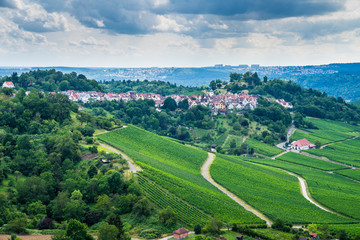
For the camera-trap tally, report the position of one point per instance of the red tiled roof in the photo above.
(302, 143)
(181, 231)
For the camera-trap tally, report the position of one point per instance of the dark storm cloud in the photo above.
(139, 16)
(7, 4)
(253, 9)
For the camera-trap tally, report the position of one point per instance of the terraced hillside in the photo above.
(347, 152)
(270, 190)
(328, 131)
(331, 190)
(175, 168)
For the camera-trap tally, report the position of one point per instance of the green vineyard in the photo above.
(187, 213)
(270, 190)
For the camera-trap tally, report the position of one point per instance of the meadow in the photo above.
(259, 147)
(270, 190)
(331, 190)
(176, 168)
(309, 161)
(263, 148)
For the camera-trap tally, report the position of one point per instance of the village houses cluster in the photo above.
(216, 103)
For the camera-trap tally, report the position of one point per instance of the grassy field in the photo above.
(230, 138)
(309, 161)
(331, 190)
(263, 148)
(346, 152)
(270, 190)
(351, 173)
(176, 168)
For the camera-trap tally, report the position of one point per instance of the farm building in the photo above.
(181, 233)
(301, 144)
(8, 85)
(239, 237)
(314, 236)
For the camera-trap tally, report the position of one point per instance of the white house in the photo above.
(8, 85)
(301, 144)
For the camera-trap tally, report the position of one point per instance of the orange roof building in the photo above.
(301, 144)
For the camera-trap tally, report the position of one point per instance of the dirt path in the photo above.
(132, 167)
(327, 160)
(280, 154)
(288, 135)
(306, 193)
(28, 237)
(325, 145)
(205, 172)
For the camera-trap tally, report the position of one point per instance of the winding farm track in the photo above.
(306, 193)
(325, 145)
(205, 172)
(326, 160)
(132, 167)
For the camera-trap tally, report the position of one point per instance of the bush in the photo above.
(46, 223)
(17, 225)
(197, 229)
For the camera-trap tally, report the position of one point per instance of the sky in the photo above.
(178, 33)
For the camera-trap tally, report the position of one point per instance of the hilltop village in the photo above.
(216, 103)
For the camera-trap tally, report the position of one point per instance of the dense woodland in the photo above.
(156, 87)
(52, 81)
(45, 182)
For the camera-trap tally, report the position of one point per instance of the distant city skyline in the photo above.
(178, 33)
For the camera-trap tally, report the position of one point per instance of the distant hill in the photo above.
(336, 79)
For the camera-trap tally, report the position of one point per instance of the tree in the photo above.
(115, 220)
(343, 235)
(167, 217)
(36, 208)
(76, 230)
(142, 208)
(92, 171)
(233, 143)
(170, 104)
(184, 104)
(76, 207)
(116, 183)
(317, 144)
(213, 226)
(108, 232)
(18, 225)
(197, 229)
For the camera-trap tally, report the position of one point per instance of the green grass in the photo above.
(220, 139)
(238, 140)
(264, 148)
(309, 161)
(331, 190)
(176, 168)
(270, 190)
(345, 152)
(351, 173)
(275, 234)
